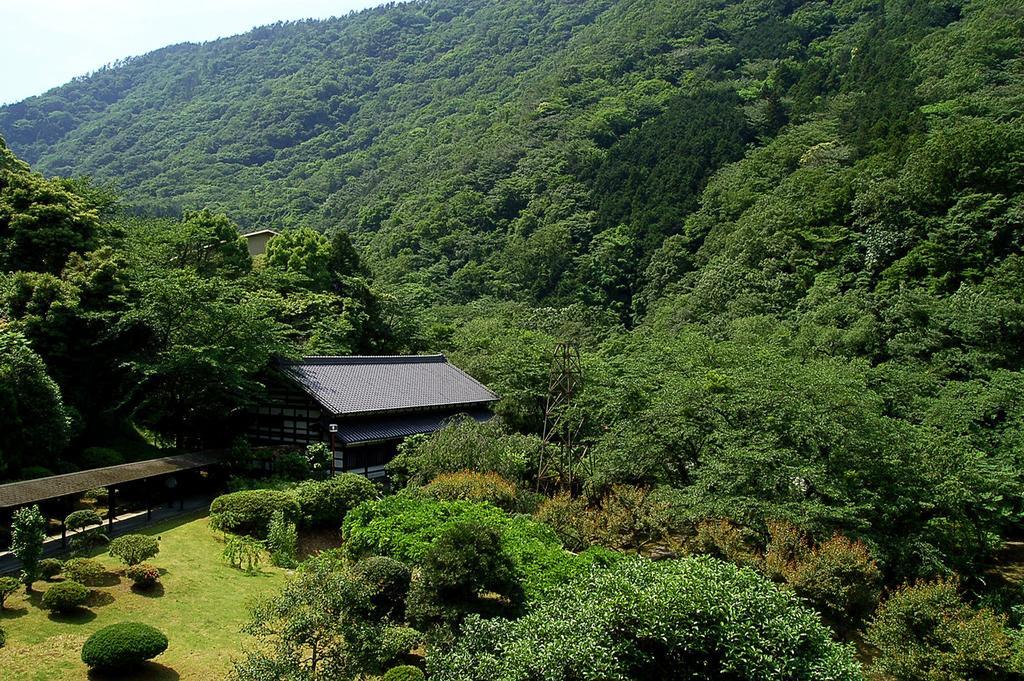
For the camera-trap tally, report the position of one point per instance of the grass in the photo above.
(201, 606)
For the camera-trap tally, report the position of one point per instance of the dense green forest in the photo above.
(788, 238)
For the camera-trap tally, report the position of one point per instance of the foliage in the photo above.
(123, 646)
(50, 568)
(28, 531)
(404, 673)
(282, 541)
(388, 582)
(88, 528)
(143, 575)
(250, 511)
(242, 552)
(724, 540)
(100, 457)
(324, 503)
(462, 445)
(473, 486)
(928, 631)
(8, 585)
(64, 597)
(33, 419)
(635, 621)
(318, 458)
(468, 558)
(84, 571)
(567, 517)
(133, 549)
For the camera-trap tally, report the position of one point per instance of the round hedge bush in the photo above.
(406, 672)
(324, 503)
(123, 646)
(249, 512)
(388, 580)
(132, 549)
(65, 596)
(84, 571)
(143, 575)
(50, 568)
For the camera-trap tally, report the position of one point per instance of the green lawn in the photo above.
(201, 607)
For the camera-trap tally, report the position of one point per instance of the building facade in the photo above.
(363, 407)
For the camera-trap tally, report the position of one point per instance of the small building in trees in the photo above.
(363, 407)
(257, 241)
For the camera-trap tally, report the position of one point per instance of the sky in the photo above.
(46, 43)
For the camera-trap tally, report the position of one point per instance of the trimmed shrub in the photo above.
(928, 632)
(65, 596)
(249, 511)
(84, 570)
(79, 520)
(406, 672)
(100, 457)
(132, 549)
(123, 646)
(467, 558)
(50, 568)
(646, 619)
(473, 486)
(143, 575)
(8, 585)
(388, 580)
(324, 503)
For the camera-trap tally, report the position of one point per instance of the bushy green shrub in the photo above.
(84, 570)
(132, 549)
(50, 568)
(100, 457)
(282, 541)
(725, 540)
(123, 646)
(691, 618)
(8, 585)
(405, 672)
(928, 632)
(249, 511)
(388, 581)
(567, 517)
(463, 445)
(88, 528)
(143, 575)
(324, 503)
(242, 552)
(65, 596)
(466, 558)
(629, 518)
(473, 486)
(80, 520)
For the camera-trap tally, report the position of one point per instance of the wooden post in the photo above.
(111, 508)
(64, 507)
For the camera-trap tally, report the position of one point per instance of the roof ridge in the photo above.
(370, 359)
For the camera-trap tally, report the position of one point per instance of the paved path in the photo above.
(123, 524)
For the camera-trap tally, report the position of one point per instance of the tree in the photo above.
(303, 252)
(133, 549)
(33, 421)
(28, 531)
(210, 244)
(89, 528)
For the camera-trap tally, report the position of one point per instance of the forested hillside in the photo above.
(787, 237)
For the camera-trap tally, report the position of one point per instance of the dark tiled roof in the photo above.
(395, 427)
(360, 385)
(55, 486)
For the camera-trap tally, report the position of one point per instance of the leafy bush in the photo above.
(650, 620)
(79, 520)
(388, 581)
(473, 486)
(143, 575)
(405, 672)
(84, 570)
(462, 445)
(50, 568)
(100, 457)
(132, 549)
(65, 596)
(28, 532)
(242, 552)
(89, 530)
(568, 518)
(282, 541)
(928, 632)
(8, 585)
(629, 517)
(123, 646)
(324, 503)
(249, 511)
(840, 579)
(467, 558)
(725, 540)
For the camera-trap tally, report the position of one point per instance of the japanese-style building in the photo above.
(363, 407)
